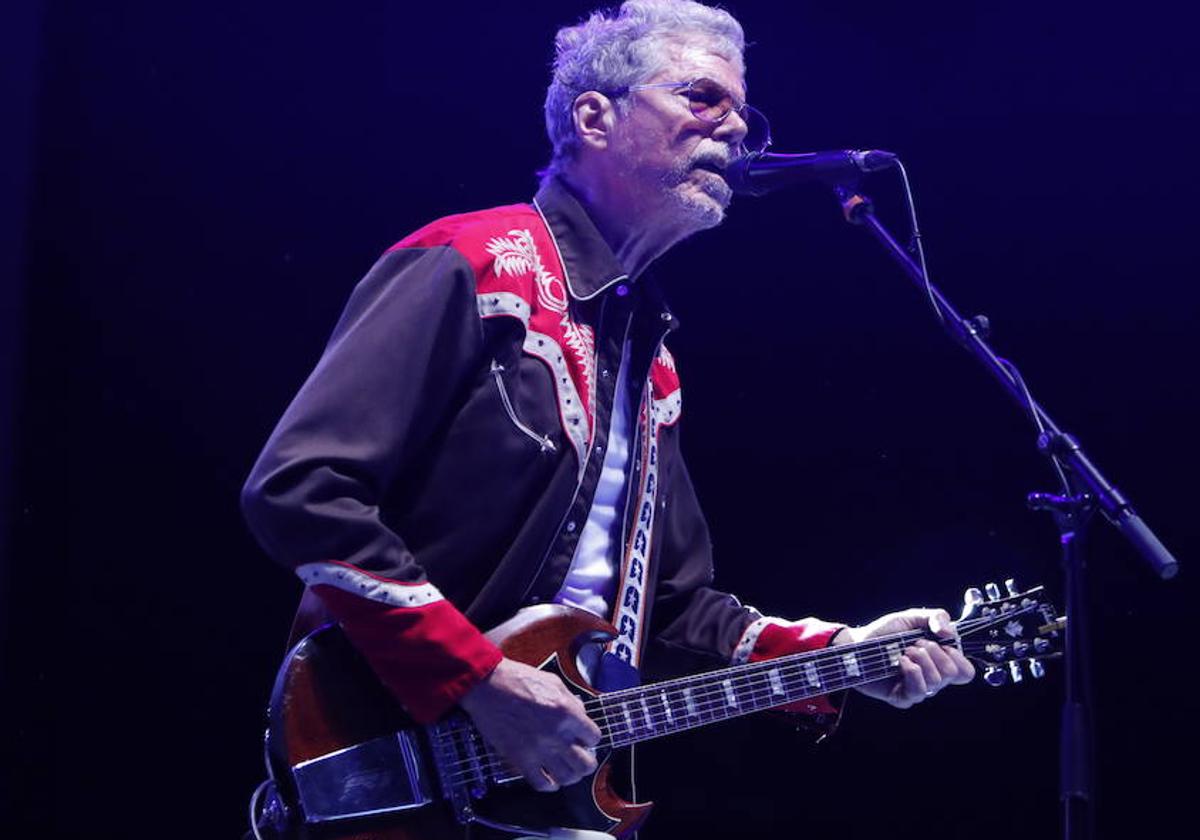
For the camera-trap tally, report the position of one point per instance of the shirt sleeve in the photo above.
(404, 352)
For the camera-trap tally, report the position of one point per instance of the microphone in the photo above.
(759, 173)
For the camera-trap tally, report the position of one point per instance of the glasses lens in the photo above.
(708, 100)
(758, 130)
(711, 102)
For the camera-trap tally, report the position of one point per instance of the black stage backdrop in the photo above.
(212, 179)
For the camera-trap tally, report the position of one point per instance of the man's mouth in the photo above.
(710, 166)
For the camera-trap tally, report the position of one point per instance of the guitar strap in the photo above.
(622, 656)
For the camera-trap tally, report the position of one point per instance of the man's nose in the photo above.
(731, 130)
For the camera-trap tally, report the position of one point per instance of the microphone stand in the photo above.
(1086, 490)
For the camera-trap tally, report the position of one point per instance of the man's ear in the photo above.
(595, 117)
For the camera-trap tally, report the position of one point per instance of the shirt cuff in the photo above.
(423, 650)
(770, 638)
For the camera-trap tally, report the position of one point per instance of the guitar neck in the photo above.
(651, 711)
(1015, 632)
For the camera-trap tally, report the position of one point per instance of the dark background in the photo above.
(192, 189)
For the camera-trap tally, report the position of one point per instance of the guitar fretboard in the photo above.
(639, 714)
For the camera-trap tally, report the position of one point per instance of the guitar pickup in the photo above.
(381, 776)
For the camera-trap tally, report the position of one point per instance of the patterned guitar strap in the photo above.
(618, 667)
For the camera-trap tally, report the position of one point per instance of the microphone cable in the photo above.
(917, 245)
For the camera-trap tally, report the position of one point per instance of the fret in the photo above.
(649, 718)
(834, 672)
(812, 676)
(795, 684)
(629, 725)
(608, 723)
(850, 663)
(730, 696)
(776, 683)
(745, 690)
(711, 700)
(678, 707)
(759, 690)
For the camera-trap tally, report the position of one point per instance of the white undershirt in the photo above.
(590, 580)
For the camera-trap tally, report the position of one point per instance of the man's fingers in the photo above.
(560, 769)
(941, 624)
(579, 727)
(585, 759)
(538, 779)
(911, 686)
(568, 766)
(922, 655)
(965, 671)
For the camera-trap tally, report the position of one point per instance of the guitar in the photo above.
(347, 764)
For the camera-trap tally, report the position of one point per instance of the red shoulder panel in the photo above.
(519, 274)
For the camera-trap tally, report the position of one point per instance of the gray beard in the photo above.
(698, 213)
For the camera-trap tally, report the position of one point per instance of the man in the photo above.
(494, 422)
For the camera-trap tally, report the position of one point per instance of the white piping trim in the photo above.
(503, 303)
(544, 347)
(745, 645)
(368, 586)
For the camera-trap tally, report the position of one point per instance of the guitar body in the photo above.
(327, 701)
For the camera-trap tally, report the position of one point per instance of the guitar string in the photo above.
(823, 661)
(712, 708)
(491, 767)
(711, 702)
(712, 695)
(966, 628)
(711, 699)
(708, 702)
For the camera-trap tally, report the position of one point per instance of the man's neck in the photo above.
(637, 237)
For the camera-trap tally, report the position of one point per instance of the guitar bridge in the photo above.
(460, 758)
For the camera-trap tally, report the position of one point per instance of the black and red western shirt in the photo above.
(434, 473)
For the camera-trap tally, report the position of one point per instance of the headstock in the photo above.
(1000, 632)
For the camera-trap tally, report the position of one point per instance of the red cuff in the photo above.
(781, 639)
(428, 656)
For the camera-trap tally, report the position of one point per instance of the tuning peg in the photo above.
(1037, 669)
(996, 652)
(1014, 668)
(972, 598)
(1040, 645)
(994, 676)
(1020, 649)
(993, 592)
(1011, 585)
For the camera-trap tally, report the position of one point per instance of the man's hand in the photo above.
(925, 667)
(537, 725)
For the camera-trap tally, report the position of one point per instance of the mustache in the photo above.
(717, 156)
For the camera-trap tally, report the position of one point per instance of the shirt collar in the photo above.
(589, 264)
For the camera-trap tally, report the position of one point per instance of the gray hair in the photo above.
(616, 48)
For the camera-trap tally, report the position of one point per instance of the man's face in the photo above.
(662, 148)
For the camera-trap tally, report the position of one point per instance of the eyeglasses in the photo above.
(712, 102)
